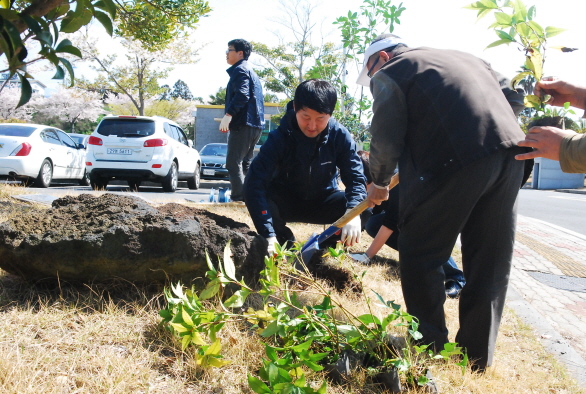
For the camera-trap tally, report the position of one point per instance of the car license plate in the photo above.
(119, 151)
(209, 172)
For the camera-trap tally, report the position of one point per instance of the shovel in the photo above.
(312, 245)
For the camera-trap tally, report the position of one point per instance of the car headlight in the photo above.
(224, 165)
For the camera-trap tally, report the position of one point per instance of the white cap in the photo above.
(376, 46)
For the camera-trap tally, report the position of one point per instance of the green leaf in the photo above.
(520, 10)
(504, 35)
(537, 29)
(553, 31)
(209, 262)
(211, 290)
(73, 21)
(59, 73)
(237, 299)
(197, 339)
(537, 61)
(217, 362)
(519, 77)
(229, 269)
(313, 366)
(271, 352)
(503, 19)
(5, 4)
(531, 12)
(69, 68)
(185, 341)
(214, 349)
(302, 346)
(67, 47)
(105, 20)
(26, 91)
(368, 319)
(258, 386)
(532, 101)
(497, 43)
(108, 6)
(178, 327)
(271, 329)
(186, 318)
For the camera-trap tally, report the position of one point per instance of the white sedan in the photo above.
(31, 152)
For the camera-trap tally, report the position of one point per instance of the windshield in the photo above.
(133, 128)
(78, 139)
(214, 150)
(16, 131)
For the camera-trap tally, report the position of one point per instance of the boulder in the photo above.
(89, 238)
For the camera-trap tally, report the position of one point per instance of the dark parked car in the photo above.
(213, 161)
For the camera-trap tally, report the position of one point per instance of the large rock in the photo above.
(87, 238)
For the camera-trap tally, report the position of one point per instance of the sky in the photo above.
(431, 23)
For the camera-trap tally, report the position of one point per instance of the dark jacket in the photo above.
(244, 97)
(436, 111)
(307, 168)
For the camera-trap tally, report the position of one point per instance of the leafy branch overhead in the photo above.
(515, 23)
(42, 22)
(153, 22)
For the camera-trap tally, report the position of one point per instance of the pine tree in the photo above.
(181, 90)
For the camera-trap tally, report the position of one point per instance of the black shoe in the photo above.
(453, 289)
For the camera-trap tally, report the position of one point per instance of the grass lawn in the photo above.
(106, 338)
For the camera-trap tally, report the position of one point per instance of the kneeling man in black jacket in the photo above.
(294, 178)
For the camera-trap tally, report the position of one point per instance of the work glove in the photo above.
(360, 257)
(272, 241)
(351, 232)
(224, 124)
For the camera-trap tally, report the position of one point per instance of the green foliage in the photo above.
(21, 23)
(515, 24)
(299, 339)
(170, 19)
(358, 30)
(218, 98)
(181, 90)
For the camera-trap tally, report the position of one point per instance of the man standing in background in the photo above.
(244, 114)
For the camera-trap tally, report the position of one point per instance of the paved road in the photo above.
(567, 210)
(152, 193)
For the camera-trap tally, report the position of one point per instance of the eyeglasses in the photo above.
(229, 50)
(372, 68)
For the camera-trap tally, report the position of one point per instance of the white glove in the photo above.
(271, 246)
(360, 257)
(224, 124)
(351, 231)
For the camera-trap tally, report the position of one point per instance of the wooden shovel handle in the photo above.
(358, 209)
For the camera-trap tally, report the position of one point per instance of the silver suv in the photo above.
(141, 148)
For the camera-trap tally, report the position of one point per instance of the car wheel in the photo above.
(170, 180)
(98, 182)
(85, 181)
(134, 185)
(193, 182)
(45, 174)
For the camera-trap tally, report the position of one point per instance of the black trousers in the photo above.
(241, 142)
(290, 208)
(478, 202)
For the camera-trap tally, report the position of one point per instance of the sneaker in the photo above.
(453, 289)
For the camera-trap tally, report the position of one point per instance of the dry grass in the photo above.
(105, 338)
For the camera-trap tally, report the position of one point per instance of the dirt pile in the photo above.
(87, 238)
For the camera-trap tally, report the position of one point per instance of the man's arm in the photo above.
(241, 82)
(351, 170)
(388, 130)
(257, 184)
(573, 153)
